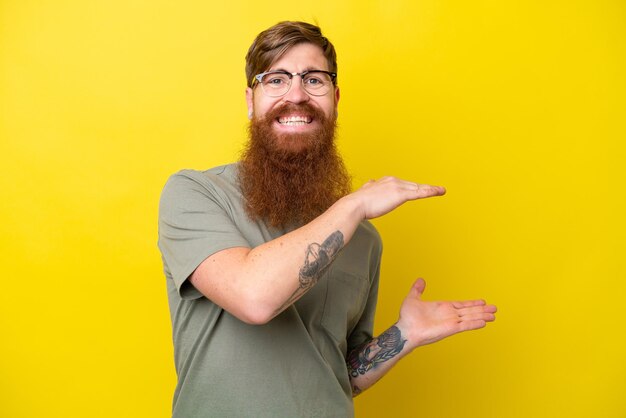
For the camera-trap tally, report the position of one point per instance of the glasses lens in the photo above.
(317, 83)
(275, 84)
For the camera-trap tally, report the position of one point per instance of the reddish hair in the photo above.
(273, 43)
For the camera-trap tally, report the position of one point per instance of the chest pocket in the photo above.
(346, 296)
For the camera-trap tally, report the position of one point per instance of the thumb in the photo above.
(418, 287)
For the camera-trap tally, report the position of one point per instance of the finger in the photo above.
(416, 190)
(411, 185)
(426, 190)
(439, 190)
(468, 303)
(478, 316)
(491, 308)
(473, 310)
(418, 287)
(471, 325)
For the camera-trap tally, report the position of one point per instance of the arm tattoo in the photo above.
(318, 258)
(378, 350)
(316, 261)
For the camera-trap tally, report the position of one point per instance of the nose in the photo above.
(296, 93)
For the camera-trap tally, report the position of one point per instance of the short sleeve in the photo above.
(195, 221)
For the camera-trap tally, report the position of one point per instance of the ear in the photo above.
(250, 102)
(336, 100)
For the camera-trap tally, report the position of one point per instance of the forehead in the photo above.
(301, 57)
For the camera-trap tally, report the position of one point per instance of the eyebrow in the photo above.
(287, 71)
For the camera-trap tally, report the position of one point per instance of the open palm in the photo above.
(424, 322)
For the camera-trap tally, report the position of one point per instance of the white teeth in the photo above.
(293, 123)
(294, 120)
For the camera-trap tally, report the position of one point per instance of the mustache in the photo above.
(304, 108)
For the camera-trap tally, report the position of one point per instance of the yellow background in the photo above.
(517, 107)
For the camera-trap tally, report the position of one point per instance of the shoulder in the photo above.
(187, 180)
(218, 174)
(195, 189)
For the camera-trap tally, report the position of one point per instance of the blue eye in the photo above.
(316, 80)
(276, 80)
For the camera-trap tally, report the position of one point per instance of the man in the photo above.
(271, 265)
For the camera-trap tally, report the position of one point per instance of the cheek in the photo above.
(328, 106)
(262, 105)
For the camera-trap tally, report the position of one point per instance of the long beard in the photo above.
(288, 180)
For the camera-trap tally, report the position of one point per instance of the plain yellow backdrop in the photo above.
(517, 107)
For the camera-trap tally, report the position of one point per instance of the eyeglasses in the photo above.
(277, 83)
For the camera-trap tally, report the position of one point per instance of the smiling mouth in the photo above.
(294, 120)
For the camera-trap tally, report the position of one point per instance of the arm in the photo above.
(257, 284)
(420, 323)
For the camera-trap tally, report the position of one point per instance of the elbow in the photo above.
(255, 311)
(255, 317)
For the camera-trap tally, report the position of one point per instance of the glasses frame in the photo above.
(259, 78)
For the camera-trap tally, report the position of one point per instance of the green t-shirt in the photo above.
(293, 366)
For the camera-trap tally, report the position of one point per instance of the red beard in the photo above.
(288, 180)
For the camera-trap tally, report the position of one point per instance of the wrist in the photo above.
(352, 206)
(406, 331)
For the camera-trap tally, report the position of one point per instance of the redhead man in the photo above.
(272, 266)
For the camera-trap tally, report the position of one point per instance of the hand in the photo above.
(379, 197)
(423, 322)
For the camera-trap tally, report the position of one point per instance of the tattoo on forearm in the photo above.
(356, 390)
(318, 258)
(316, 261)
(382, 348)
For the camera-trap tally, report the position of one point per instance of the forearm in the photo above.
(283, 270)
(373, 359)
(256, 285)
